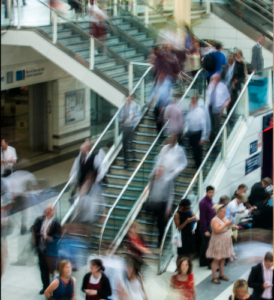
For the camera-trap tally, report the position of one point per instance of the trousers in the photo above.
(204, 261)
(215, 121)
(128, 133)
(44, 269)
(194, 139)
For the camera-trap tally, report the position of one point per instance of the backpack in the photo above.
(209, 62)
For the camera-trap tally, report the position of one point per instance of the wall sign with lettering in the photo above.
(75, 106)
(253, 147)
(252, 163)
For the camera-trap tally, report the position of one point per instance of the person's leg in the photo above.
(204, 246)
(194, 140)
(221, 271)
(43, 270)
(125, 143)
(161, 221)
(130, 139)
(215, 126)
(214, 267)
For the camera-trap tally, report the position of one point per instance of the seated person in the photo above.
(263, 216)
(242, 188)
(259, 192)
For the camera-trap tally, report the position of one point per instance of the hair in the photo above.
(240, 284)
(240, 51)
(261, 36)
(232, 54)
(98, 263)
(61, 265)
(223, 199)
(218, 46)
(242, 197)
(242, 186)
(267, 181)
(218, 207)
(184, 203)
(210, 188)
(156, 48)
(190, 265)
(268, 256)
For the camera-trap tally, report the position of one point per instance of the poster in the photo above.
(253, 147)
(252, 163)
(75, 106)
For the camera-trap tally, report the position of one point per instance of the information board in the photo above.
(252, 163)
(75, 106)
(253, 147)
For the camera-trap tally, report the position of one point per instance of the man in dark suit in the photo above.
(45, 230)
(258, 192)
(261, 279)
(257, 61)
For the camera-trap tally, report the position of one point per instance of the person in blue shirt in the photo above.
(220, 61)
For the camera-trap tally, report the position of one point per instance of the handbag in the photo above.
(177, 239)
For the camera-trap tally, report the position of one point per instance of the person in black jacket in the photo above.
(96, 285)
(258, 192)
(46, 230)
(261, 278)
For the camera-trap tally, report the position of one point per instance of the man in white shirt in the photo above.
(8, 158)
(218, 98)
(238, 210)
(261, 278)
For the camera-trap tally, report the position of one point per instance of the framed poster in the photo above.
(75, 106)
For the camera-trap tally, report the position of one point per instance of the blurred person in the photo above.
(261, 278)
(229, 70)
(160, 199)
(194, 58)
(240, 291)
(183, 281)
(218, 98)
(184, 220)
(136, 244)
(259, 191)
(242, 188)
(263, 216)
(172, 158)
(238, 210)
(101, 164)
(196, 123)
(131, 285)
(8, 158)
(218, 61)
(174, 115)
(129, 117)
(220, 245)
(257, 61)
(45, 230)
(189, 37)
(172, 64)
(96, 285)
(63, 287)
(207, 213)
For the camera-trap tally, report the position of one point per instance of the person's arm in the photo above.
(252, 280)
(106, 289)
(194, 292)
(52, 287)
(85, 283)
(217, 228)
(182, 163)
(74, 288)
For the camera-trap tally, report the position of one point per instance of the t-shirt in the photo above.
(220, 61)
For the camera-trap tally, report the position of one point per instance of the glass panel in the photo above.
(259, 87)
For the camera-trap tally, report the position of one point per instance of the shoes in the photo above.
(42, 292)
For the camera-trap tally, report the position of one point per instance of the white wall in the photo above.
(214, 27)
(232, 172)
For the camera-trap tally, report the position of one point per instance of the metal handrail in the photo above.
(101, 136)
(139, 166)
(201, 166)
(262, 8)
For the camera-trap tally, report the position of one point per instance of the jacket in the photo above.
(256, 281)
(257, 194)
(257, 61)
(105, 286)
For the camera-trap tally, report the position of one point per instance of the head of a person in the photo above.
(96, 265)
(242, 188)
(266, 182)
(240, 288)
(231, 58)
(130, 98)
(218, 46)
(85, 148)
(241, 198)
(185, 205)
(133, 229)
(49, 211)
(220, 210)
(261, 39)
(156, 51)
(210, 191)
(224, 200)
(167, 48)
(159, 172)
(4, 144)
(268, 260)
(194, 99)
(64, 268)
(172, 140)
(239, 54)
(185, 266)
(215, 79)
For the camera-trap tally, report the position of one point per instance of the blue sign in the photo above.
(20, 75)
(253, 147)
(252, 163)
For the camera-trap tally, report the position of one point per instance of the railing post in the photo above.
(246, 104)
(134, 11)
(269, 88)
(224, 143)
(130, 77)
(208, 6)
(115, 3)
(146, 15)
(9, 11)
(54, 35)
(19, 13)
(142, 93)
(200, 186)
(116, 131)
(91, 54)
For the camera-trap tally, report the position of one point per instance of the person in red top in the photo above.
(135, 243)
(96, 285)
(183, 281)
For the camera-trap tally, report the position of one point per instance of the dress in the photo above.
(186, 287)
(188, 238)
(220, 244)
(64, 291)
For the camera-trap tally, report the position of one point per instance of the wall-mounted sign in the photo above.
(252, 163)
(253, 147)
(75, 106)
